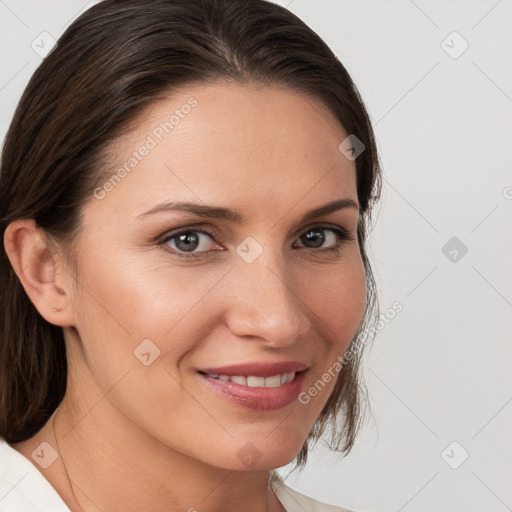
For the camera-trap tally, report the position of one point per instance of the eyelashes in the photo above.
(190, 238)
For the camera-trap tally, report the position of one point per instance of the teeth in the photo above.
(287, 377)
(256, 382)
(273, 382)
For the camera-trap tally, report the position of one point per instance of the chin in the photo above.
(263, 454)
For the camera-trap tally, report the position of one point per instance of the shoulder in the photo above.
(294, 501)
(23, 486)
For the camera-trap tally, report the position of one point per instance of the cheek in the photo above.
(124, 304)
(337, 298)
(136, 291)
(127, 300)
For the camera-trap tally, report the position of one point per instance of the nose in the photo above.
(264, 302)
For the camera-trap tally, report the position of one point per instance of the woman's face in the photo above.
(158, 311)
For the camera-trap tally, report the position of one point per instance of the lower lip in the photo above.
(259, 398)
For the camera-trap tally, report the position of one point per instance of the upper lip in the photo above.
(257, 369)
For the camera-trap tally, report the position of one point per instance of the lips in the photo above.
(260, 386)
(257, 369)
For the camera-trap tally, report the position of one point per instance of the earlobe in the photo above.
(37, 266)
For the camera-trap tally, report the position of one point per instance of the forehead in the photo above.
(226, 142)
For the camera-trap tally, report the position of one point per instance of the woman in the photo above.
(185, 194)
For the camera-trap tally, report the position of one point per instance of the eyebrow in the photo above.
(218, 212)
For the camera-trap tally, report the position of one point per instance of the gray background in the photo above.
(440, 372)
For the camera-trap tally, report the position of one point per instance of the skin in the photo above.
(128, 433)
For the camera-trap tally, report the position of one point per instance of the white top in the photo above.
(23, 488)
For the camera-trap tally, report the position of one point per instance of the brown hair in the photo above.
(114, 61)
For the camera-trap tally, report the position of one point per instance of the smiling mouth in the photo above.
(257, 392)
(253, 381)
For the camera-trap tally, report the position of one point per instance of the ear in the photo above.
(40, 270)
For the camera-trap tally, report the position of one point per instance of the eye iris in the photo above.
(189, 240)
(315, 236)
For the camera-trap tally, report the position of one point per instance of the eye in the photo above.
(188, 241)
(194, 243)
(318, 236)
